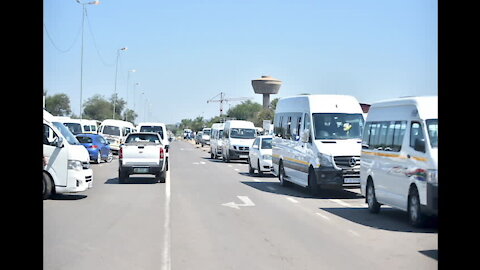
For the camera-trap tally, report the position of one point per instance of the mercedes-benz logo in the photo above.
(352, 162)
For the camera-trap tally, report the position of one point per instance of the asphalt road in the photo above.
(214, 215)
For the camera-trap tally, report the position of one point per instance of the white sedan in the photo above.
(260, 155)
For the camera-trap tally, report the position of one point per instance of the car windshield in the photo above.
(66, 133)
(84, 139)
(267, 143)
(432, 127)
(242, 133)
(206, 132)
(337, 126)
(157, 129)
(133, 138)
(111, 130)
(75, 128)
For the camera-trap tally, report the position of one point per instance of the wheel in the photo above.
(415, 216)
(258, 164)
(250, 168)
(373, 205)
(312, 183)
(211, 154)
(162, 176)
(281, 175)
(109, 157)
(99, 158)
(47, 186)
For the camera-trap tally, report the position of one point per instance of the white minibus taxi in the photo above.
(66, 165)
(115, 132)
(216, 140)
(399, 161)
(238, 136)
(317, 141)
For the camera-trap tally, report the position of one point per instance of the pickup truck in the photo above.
(142, 153)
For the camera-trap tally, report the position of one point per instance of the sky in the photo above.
(186, 52)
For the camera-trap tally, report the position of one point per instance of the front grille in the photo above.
(88, 178)
(241, 148)
(346, 162)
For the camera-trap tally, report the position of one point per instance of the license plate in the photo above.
(243, 156)
(140, 170)
(351, 180)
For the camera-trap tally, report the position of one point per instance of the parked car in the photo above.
(98, 148)
(142, 153)
(399, 161)
(205, 138)
(317, 141)
(260, 155)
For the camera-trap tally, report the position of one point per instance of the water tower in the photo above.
(266, 85)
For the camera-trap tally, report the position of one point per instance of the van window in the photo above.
(337, 126)
(66, 133)
(416, 133)
(267, 143)
(75, 128)
(242, 133)
(400, 127)
(86, 127)
(49, 136)
(111, 130)
(220, 133)
(432, 128)
(384, 135)
(157, 129)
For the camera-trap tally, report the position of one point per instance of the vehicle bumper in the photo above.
(237, 154)
(78, 181)
(139, 168)
(334, 178)
(265, 165)
(432, 201)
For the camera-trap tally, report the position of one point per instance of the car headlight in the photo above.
(432, 177)
(266, 156)
(75, 165)
(325, 160)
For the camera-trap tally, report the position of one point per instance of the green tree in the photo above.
(247, 110)
(130, 115)
(98, 108)
(58, 104)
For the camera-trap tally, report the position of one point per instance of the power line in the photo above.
(53, 43)
(95, 43)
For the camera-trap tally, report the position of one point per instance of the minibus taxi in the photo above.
(66, 163)
(238, 136)
(399, 160)
(317, 141)
(216, 140)
(115, 131)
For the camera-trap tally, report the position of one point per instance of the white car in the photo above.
(260, 155)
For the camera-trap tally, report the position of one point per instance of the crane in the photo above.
(225, 100)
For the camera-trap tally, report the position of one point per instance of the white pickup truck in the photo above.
(142, 153)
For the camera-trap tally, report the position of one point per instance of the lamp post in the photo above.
(81, 51)
(115, 89)
(134, 87)
(128, 78)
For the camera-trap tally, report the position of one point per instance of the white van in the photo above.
(78, 126)
(317, 141)
(161, 129)
(115, 132)
(238, 136)
(216, 140)
(399, 161)
(66, 162)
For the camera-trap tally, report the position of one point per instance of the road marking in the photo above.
(256, 180)
(271, 188)
(237, 170)
(229, 165)
(341, 202)
(166, 259)
(246, 202)
(202, 162)
(323, 216)
(292, 200)
(354, 232)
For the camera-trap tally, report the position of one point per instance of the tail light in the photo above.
(120, 153)
(162, 153)
(94, 146)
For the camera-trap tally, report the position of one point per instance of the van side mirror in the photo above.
(59, 142)
(419, 145)
(166, 147)
(305, 136)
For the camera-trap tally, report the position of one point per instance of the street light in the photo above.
(115, 90)
(81, 51)
(128, 78)
(134, 86)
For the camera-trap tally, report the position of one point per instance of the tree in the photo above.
(58, 104)
(245, 111)
(130, 115)
(98, 108)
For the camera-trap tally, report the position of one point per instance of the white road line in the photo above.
(229, 165)
(237, 170)
(323, 216)
(341, 202)
(354, 232)
(271, 188)
(202, 162)
(256, 180)
(166, 258)
(292, 200)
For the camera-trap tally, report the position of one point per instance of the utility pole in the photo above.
(225, 100)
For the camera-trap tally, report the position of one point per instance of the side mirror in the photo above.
(419, 145)
(59, 142)
(305, 136)
(255, 147)
(166, 148)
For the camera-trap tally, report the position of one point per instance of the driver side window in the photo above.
(49, 136)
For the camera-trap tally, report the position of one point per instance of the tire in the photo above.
(211, 154)
(250, 168)
(373, 204)
(99, 157)
(109, 157)
(47, 186)
(415, 217)
(259, 171)
(312, 183)
(122, 176)
(162, 176)
(281, 175)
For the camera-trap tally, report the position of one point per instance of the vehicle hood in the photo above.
(78, 152)
(241, 142)
(351, 147)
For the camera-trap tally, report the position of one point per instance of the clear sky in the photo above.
(186, 52)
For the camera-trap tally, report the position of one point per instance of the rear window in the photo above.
(84, 139)
(133, 138)
(111, 130)
(157, 129)
(75, 128)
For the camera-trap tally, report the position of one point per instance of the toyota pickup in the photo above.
(142, 153)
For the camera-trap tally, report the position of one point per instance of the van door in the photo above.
(57, 157)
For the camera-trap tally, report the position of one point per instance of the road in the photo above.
(214, 215)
